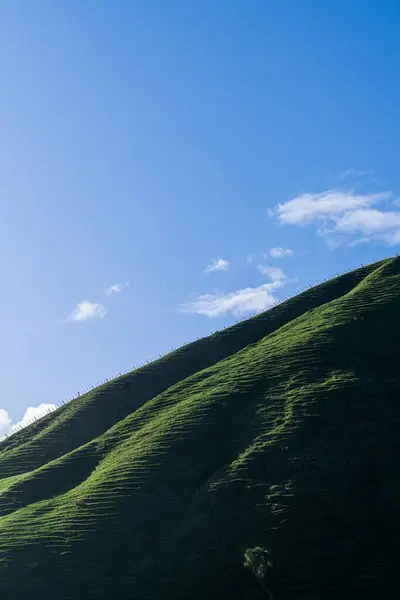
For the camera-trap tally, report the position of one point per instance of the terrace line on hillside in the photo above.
(280, 432)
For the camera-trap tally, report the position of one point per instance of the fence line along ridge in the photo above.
(266, 308)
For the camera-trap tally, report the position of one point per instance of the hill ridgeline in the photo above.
(282, 432)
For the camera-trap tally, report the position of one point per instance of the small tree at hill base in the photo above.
(258, 560)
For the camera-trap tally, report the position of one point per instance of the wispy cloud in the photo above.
(274, 273)
(87, 310)
(342, 214)
(367, 221)
(116, 288)
(249, 259)
(371, 224)
(307, 208)
(353, 173)
(31, 413)
(218, 264)
(280, 252)
(235, 303)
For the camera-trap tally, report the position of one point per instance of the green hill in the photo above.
(282, 431)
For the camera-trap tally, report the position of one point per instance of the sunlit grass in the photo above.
(280, 432)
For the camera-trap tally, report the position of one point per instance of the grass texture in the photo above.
(282, 431)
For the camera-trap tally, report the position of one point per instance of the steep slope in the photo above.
(282, 431)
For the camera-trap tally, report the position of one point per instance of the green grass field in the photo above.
(282, 431)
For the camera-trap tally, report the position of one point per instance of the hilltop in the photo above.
(281, 431)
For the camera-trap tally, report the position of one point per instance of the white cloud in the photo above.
(5, 422)
(274, 273)
(371, 224)
(280, 252)
(367, 221)
(31, 413)
(306, 208)
(344, 214)
(236, 303)
(116, 288)
(218, 264)
(87, 310)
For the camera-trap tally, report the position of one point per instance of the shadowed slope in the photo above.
(93, 413)
(283, 434)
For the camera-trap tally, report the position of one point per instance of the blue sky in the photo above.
(166, 147)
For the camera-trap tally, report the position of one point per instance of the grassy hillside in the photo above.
(282, 431)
